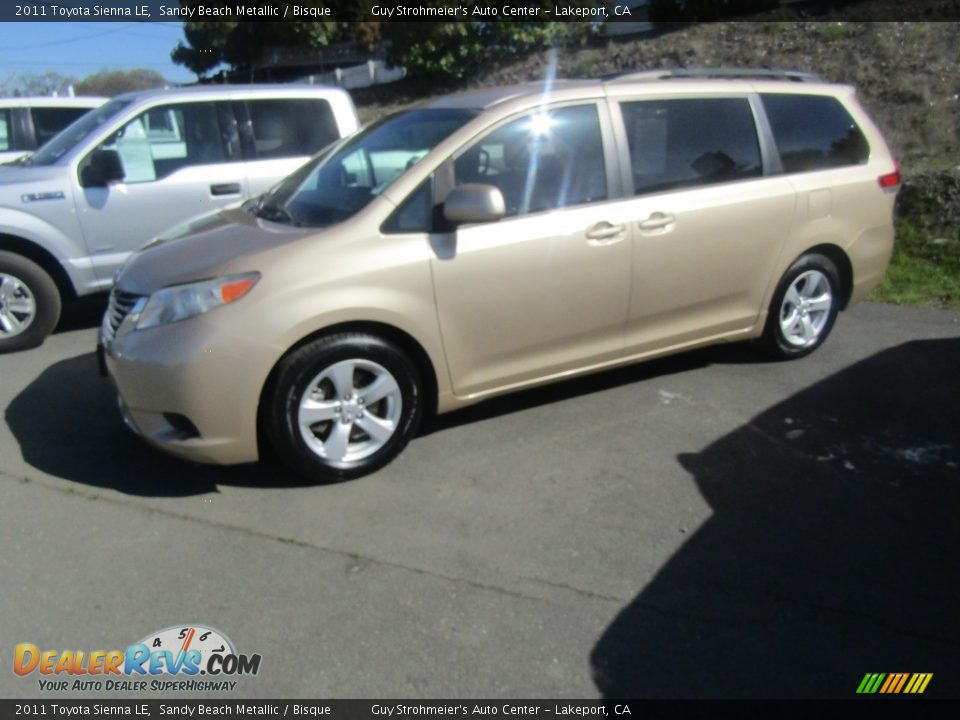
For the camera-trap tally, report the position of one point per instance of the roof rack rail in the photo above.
(764, 73)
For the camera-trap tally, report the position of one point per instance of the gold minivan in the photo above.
(496, 240)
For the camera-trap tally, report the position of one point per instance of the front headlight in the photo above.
(180, 302)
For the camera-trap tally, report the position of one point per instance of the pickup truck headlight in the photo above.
(180, 302)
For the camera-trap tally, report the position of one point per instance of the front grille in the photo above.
(121, 303)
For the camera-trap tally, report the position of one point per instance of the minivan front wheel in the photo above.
(29, 303)
(343, 406)
(804, 307)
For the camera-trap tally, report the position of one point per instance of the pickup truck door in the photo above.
(180, 161)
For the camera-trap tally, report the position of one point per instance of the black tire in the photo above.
(812, 326)
(312, 450)
(23, 282)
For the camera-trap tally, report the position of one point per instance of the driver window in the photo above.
(543, 161)
(164, 139)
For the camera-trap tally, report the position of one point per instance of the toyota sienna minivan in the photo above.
(496, 240)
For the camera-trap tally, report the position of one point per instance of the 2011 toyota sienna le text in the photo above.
(497, 240)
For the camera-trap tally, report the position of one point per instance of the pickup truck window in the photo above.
(5, 130)
(164, 139)
(75, 133)
(48, 121)
(291, 128)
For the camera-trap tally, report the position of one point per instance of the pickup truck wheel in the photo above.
(343, 406)
(29, 303)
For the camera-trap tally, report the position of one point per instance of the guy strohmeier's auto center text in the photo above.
(567, 709)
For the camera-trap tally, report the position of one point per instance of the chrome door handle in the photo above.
(657, 221)
(603, 233)
(225, 189)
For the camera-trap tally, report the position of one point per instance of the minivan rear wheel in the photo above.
(29, 303)
(804, 308)
(343, 406)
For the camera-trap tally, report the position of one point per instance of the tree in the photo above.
(240, 44)
(455, 51)
(114, 82)
(29, 83)
(444, 51)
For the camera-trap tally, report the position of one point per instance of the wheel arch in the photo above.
(406, 342)
(42, 257)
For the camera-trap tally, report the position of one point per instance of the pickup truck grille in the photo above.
(121, 303)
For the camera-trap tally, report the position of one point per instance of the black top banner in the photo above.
(593, 11)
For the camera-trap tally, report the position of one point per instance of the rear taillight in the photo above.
(890, 180)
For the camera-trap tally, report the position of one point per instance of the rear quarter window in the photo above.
(48, 121)
(814, 132)
(291, 128)
(5, 130)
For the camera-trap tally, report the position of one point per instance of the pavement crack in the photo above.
(592, 594)
(259, 534)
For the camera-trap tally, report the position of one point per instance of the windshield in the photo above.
(335, 185)
(67, 139)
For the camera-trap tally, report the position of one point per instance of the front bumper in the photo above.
(190, 388)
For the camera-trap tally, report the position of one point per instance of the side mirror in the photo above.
(474, 203)
(101, 168)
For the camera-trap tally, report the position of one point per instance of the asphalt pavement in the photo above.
(711, 524)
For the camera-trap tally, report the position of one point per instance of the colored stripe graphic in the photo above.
(903, 679)
(870, 683)
(894, 683)
(919, 683)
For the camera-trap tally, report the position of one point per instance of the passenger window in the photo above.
(5, 132)
(289, 128)
(47, 122)
(690, 142)
(540, 162)
(814, 132)
(165, 139)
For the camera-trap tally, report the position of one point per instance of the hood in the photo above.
(19, 176)
(216, 245)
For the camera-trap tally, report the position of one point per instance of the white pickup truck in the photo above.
(71, 213)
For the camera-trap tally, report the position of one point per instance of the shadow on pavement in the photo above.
(68, 425)
(733, 354)
(831, 552)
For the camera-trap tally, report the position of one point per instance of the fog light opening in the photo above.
(182, 427)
